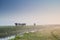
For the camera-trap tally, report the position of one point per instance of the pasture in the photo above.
(39, 32)
(48, 33)
(13, 30)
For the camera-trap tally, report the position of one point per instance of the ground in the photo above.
(47, 33)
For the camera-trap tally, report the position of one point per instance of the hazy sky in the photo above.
(29, 11)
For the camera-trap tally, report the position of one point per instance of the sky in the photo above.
(41, 12)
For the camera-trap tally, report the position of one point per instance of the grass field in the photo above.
(13, 30)
(31, 32)
(48, 33)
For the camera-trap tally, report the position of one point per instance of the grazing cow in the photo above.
(23, 24)
(34, 24)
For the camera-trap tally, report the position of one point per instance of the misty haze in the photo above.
(29, 19)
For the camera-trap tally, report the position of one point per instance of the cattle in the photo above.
(34, 24)
(20, 24)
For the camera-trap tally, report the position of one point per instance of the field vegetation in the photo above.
(31, 32)
(13, 30)
(48, 33)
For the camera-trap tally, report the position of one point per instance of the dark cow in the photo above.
(34, 24)
(16, 24)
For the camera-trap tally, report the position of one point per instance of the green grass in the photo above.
(13, 30)
(42, 33)
(45, 34)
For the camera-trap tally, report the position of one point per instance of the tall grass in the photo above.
(45, 34)
(13, 30)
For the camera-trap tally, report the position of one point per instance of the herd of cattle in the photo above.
(20, 24)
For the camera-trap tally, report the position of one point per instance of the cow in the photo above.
(16, 24)
(34, 24)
